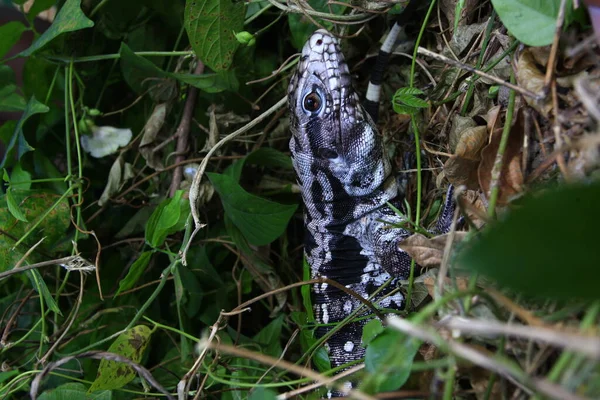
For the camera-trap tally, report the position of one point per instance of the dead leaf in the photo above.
(471, 142)
(151, 130)
(491, 117)
(461, 168)
(428, 252)
(510, 181)
(531, 78)
(459, 125)
(461, 171)
(430, 283)
(119, 173)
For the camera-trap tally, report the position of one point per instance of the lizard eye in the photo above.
(312, 102)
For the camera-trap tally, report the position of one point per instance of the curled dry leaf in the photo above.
(531, 78)
(459, 125)
(151, 130)
(461, 168)
(428, 252)
(119, 173)
(510, 181)
(430, 282)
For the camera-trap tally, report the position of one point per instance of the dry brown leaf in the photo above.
(531, 78)
(491, 117)
(430, 283)
(461, 168)
(480, 380)
(120, 172)
(428, 252)
(461, 171)
(151, 130)
(511, 176)
(459, 125)
(471, 142)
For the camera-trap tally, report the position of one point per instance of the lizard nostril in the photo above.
(319, 42)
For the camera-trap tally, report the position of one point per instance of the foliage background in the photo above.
(155, 289)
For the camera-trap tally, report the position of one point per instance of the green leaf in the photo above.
(402, 109)
(533, 22)
(73, 391)
(164, 219)
(269, 337)
(412, 101)
(371, 330)
(389, 360)
(17, 141)
(33, 205)
(408, 91)
(193, 291)
(321, 359)
(211, 82)
(269, 157)
(130, 344)
(13, 206)
(40, 286)
(261, 393)
(10, 99)
(405, 99)
(70, 18)
(138, 72)
(546, 237)
(19, 178)
(10, 33)
(260, 220)
(210, 25)
(135, 272)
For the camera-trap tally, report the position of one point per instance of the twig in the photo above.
(554, 50)
(466, 67)
(195, 188)
(317, 385)
(44, 359)
(588, 345)
(183, 130)
(497, 365)
(293, 368)
(58, 261)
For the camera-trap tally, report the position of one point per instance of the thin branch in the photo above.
(499, 366)
(427, 53)
(183, 131)
(588, 345)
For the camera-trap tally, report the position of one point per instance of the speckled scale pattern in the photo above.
(346, 183)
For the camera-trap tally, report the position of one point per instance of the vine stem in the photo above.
(497, 168)
(415, 128)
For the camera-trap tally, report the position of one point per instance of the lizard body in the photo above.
(346, 182)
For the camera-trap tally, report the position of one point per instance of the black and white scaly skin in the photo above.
(346, 181)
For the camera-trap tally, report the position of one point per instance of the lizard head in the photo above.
(332, 135)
